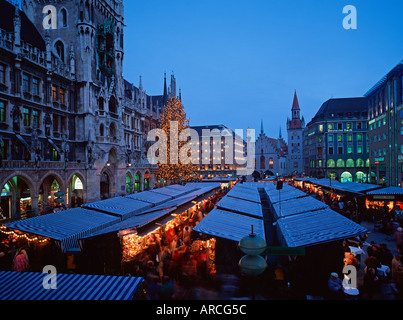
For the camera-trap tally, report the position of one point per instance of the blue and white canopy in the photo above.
(120, 206)
(253, 209)
(317, 227)
(229, 225)
(246, 193)
(294, 206)
(134, 223)
(65, 227)
(172, 192)
(150, 197)
(387, 191)
(30, 287)
(284, 194)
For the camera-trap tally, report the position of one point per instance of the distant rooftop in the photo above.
(342, 108)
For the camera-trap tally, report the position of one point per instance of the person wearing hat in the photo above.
(335, 286)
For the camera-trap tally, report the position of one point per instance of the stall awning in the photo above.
(285, 194)
(241, 206)
(29, 287)
(150, 197)
(66, 227)
(54, 145)
(296, 206)
(122, 207)
(20, 138)
(172, 192)
(132, 223)
(317, 227)
(245, 193)
(229, 225)
(386, 191)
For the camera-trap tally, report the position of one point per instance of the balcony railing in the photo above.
(30, 165)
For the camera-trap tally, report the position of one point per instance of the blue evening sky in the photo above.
(238, 62)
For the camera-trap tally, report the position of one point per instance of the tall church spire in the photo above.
(261, 127)
(295, 104)
(295, 107)
(165, 97)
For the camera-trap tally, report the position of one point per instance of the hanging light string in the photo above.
(3, 229)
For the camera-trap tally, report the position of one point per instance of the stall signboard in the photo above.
(381, 197)
(285, 251)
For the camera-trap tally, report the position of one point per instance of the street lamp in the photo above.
(253, 246)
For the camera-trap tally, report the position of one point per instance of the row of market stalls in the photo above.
(366, 196)
(60, 238)
(299, 220)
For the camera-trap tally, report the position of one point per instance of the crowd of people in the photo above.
(13, 256)
(176, 259)
(380, 266)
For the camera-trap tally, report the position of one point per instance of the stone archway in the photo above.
(16, 199)
(76, 191)
(51, 184)
(346, 177)
(105, 185)
(129, 183)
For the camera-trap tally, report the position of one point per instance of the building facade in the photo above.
(295, 128)
(270, 155)
(385, 104)
(219, 153)
(336, 141)
(69, 121)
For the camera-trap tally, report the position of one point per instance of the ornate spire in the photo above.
(165, 97)
(261, 127)
(295, 104)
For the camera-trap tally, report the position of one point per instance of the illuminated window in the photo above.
(27, 117)
(271, 163)
(331, 163)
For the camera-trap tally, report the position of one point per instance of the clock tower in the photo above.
(295, 127)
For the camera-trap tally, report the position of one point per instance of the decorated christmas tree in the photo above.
(173, 123)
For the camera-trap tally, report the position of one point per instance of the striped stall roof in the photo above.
(284, 194)
(134, 222)
(150, 197)
(296, 206)
(172, 192)
(29, 287)
(119, 206)
(229, 225)
(66, 227)
(386, 191)
(241, 206)
(245, 193)
(317, 227)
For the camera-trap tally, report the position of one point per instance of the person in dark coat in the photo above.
(335, 286)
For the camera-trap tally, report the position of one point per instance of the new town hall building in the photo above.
(69, 121)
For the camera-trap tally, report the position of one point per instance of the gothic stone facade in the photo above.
(68, 120)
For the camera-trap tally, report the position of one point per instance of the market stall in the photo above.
(145, 239)
(386, 201)
(29, 287)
